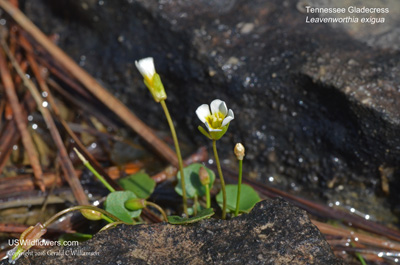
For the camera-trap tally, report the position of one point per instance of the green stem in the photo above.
(208, 197)
(239, 187)
(99, 177)
(178, 154)
(195, 204)
(94, 171)
(79, 207)
(221, 179)
(358, 255)
(106, 218)
(107, 226)
(159, 209)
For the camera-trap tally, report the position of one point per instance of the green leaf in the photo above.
(115, 204)
(248, 198)
(204, 132)
(203, 214)
(192, 181)
(140, 183)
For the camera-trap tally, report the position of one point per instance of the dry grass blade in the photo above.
(92, 85)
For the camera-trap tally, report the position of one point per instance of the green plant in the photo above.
(217, 122)
(247, 201)
(153, 82)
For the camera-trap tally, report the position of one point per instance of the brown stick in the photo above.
(361, 238)
(78, 103)
(319, 209)
(20, 122)
(25, 182)
(20, 228)
(92, 85)
(63, 76)
(43, 85)
(66, 163)
(10, 134)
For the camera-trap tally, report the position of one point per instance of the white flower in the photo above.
(216, 117)
(146, 68)
(151, 79)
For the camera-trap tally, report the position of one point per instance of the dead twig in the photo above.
(83, 106)
(43, 85)
(321, 210)
(20, 121)
(25, 182)
(356, 237)
(66, 163)
(10, 134)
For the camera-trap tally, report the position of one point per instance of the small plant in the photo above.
(217, 122)
(239, 152)
(153, 82)
(194, 181)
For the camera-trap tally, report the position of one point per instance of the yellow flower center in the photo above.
(149, 80)
(215, 120)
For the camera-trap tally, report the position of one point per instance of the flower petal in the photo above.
(223, 109)
(215, 105)
(230, 113)
(146, 67)
(202, 112)
(228, 118)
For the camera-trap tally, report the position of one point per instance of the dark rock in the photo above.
(274, 232)
(315, 104)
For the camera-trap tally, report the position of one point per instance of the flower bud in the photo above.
(91, 215)
(151, 79)
(239, 151)
(204, 176)
(135, 204)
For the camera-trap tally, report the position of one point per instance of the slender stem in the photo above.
(159, 209)
(106, 218)
(208, 197)
(195, 204)
(239, 187)
(79, 207)
(178, 154)
(99, 177)
(221, 179)
(94, 171)
(107, 226)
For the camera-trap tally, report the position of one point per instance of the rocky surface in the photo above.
(315, 104)
(274, 232)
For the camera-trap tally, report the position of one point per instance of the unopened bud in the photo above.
(204, 176)
(135, 204)
(91, 214)
(239, 151)
(151, 79)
